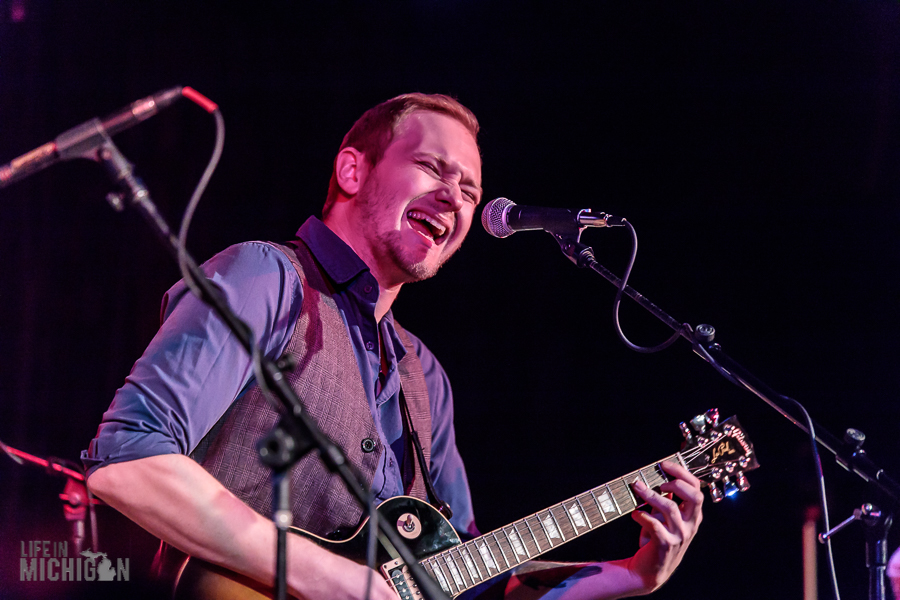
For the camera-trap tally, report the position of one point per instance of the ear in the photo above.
(350, 170)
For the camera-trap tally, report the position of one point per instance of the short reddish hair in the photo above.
(373, 132)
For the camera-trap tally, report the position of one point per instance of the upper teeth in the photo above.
(439, 229)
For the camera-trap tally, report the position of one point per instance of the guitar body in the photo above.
(424, 529)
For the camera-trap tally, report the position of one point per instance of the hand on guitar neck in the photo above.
(668, 529)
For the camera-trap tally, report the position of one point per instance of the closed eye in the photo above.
(430, 167)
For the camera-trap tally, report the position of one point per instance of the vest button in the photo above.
(368, 445)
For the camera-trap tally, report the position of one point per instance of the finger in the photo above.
(652, 528)
(691, 498)
(668, 512)
(679, 472)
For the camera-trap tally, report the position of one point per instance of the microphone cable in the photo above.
(618, 300)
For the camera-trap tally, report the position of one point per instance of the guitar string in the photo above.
(617, 489)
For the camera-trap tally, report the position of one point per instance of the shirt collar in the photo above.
(339, 261)
(343, 266)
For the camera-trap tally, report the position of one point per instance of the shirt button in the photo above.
(368, 289)
(368, 445)
(370, 346)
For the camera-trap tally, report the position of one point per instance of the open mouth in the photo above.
(427, 225)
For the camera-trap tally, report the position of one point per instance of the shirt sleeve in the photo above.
(194, 367)
(448, 473)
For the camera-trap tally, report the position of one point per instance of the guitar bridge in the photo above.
(397, 573)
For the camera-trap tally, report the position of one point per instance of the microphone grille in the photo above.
(493, 217)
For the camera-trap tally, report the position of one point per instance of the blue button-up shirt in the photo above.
(194, 368)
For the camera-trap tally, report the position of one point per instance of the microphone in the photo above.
(80, 141)
(502, 217)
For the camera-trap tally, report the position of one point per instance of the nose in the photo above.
(450, 194)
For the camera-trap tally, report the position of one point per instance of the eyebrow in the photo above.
(445, 165)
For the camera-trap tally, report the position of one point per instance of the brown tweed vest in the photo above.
(328, 381)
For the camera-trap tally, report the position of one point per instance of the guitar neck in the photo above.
(466, 565)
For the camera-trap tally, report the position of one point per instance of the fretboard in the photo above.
(466, 565)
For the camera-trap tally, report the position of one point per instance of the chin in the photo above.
(420, 271)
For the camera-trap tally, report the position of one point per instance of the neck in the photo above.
(386, 297)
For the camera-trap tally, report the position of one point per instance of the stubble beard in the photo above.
(389, 244)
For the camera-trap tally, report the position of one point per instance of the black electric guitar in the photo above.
(717, 453)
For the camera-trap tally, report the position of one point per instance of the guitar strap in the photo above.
(414, 447)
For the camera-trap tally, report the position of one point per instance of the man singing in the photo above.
(176, 449)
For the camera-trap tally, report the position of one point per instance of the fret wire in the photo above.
(438, 576)
(651, 475)
(499, 545)
(521, 539)
(584, 512)
(493, 558)
(452, 565)
(468, 546)
(462, 559)
(662, 474)
(469, 563)
(631, 496)
(613, 496)
(644, 477)
(621, 495)
(448, 580)
(465, 570)
(543, 529)
(629, 493)
(479, 556)
(571, 520)
(559, 529)
(484, 553)
(656, 475)
(599, 506)
(531, 531)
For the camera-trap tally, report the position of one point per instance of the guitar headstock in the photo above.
(719, 453)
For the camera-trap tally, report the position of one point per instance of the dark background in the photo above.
(753, 145)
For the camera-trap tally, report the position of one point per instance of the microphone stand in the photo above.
(77, 500)
(296, 433)
(848, 453)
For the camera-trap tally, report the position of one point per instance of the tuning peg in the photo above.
(716, 472)
(714, 492)
(742, 482)
(744, 461)
(712, 417)
(730, 487)
(729, 467)
(686, 431)
(699, 423)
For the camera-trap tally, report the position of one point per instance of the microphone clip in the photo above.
(570, 244)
